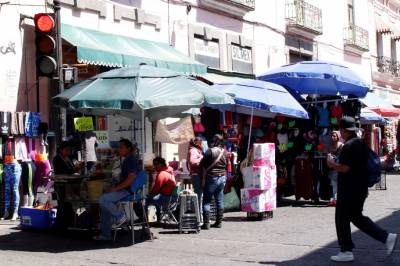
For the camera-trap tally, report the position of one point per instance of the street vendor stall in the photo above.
(139, 93)
(332, 91)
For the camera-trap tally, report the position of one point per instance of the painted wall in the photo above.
(17, 59)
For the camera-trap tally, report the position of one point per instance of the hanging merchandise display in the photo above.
(18, 132)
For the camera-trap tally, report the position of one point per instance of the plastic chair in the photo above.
(167, 210)
(127, 206)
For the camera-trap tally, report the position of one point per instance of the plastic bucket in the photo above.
(95, 189)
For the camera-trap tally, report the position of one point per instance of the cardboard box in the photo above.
(264, 154)
(258, 200)
(263, 177)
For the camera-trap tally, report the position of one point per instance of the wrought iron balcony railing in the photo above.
(388, 65)
(247, 3)
(304, 15)
(356, 37)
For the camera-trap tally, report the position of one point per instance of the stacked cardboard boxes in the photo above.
(259, 194)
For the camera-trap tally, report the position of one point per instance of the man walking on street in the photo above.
(352, 193)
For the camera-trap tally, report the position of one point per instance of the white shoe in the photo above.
(390, 243)
(14, 216)
(120, 222)
(343, 257)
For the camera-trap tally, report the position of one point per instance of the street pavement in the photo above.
(299, 234)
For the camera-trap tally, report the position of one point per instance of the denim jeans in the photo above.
(158, 201)
(214, 187)
(198, 189)
(109, 210)
(333, 175)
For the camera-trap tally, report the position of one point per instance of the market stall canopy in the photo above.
(157, 92)
(100, 48)
(379, 105)
(368, 116)
(318, 77)
(264, 99)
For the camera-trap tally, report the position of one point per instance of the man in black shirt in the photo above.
(352, 192)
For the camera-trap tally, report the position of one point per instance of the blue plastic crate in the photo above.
(37, 219)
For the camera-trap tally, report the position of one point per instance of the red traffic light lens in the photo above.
(44, 22)
(46, 65)
(45, 44)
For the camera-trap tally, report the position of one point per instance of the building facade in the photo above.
(237, 36)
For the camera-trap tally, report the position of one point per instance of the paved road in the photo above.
(299, 234)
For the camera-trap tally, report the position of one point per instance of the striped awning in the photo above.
(382, 26)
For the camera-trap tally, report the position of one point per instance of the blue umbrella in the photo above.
(261, 99)
(370, 117)
(318, 77)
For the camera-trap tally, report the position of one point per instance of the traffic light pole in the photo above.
(63, 113)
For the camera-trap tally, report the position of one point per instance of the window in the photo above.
(207, 51)
(295, 57)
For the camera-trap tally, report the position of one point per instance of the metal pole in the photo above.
(250, 130)
(37, 93)
(63, 113)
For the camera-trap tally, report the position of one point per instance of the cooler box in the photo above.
(37, 219)
(258, 200)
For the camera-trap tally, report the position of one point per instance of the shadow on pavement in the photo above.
(368, 252)
(47, 241)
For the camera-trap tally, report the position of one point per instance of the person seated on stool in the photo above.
(163, 186)
(108, 201)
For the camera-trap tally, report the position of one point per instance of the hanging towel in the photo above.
(32, 121)
(176, 133)
(21, 151)
(21, 123)
(14, 124)
(5, 123)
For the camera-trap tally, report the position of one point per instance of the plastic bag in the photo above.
(231, 200)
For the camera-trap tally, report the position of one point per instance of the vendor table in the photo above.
(72, 191)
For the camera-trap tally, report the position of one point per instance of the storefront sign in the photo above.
(241, 53)
(83, 124)
(242, 60)
(207, 52)
(102, 139)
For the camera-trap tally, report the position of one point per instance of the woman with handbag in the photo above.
(215, 165)
(195, 155)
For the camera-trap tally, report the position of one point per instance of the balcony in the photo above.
(356, 39)
(237, 8)
(388, 66)
(303, 18)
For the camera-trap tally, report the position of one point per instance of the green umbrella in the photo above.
(140, 91)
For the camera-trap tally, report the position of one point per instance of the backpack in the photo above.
(373, 168)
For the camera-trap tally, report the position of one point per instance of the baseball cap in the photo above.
(348, 123)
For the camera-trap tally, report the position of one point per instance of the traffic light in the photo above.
(46, 46)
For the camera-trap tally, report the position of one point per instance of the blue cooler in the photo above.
(37, 219)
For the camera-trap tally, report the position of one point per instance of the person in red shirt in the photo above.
(163, 185)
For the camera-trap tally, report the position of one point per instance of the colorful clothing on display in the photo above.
(14, 124)
(21, 151)
(336, 112)
(323, 114)
(11, 178)
(32, 122)
(27, 177)
(21, 123)
(43, 170)
(5, 123)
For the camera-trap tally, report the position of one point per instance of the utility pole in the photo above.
(63, 114)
